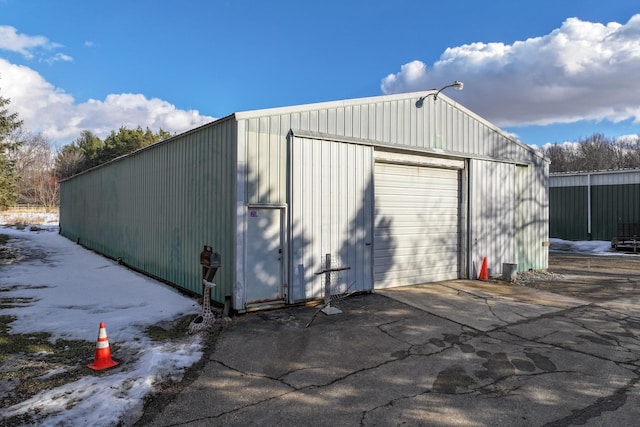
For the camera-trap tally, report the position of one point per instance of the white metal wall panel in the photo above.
(595, 178)
(437, 127)
(532, 218)
(331, 213)
(616, 178)
(492, 209)
(416, 225)
(569, 180)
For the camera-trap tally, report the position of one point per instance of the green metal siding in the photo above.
(156, 208)
(568, 213)
(611, 204)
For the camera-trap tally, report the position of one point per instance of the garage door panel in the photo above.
(415, 277)
(419, 206)
(407, 261)
(417, 225)
(415, 192)
(398, 241)
(410, 217)
(432, 248)
(420, 273)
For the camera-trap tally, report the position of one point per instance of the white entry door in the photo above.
(264, 255)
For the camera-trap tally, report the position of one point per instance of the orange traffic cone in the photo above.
(102, 359)
(484, 271)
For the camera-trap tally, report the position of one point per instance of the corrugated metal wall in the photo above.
(437, 127)
(532, 216)
(331, 213)
(568, 213)
(492, 214)
(607, 198)
(156, 209)
(611, 205)
(509, 210)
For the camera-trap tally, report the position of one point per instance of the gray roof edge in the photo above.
(596, 172)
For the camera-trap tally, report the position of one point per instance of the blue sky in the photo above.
(546, 71)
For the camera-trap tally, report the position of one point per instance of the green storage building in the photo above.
(597, 205)
(403, 189)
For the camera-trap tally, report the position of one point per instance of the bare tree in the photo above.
(629, 149)
(34, 165)
(559, 157)
(596, 152)
(47, 190)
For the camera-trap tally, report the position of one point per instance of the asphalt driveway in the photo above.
(460, 353)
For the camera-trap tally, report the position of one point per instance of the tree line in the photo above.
(88, 150)
(31, 169)
(596, 152)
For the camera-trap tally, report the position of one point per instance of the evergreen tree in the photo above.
(90, 146)
(9, 178)
(89, 150)
(126, 141)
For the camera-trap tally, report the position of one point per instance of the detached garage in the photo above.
(399, 191)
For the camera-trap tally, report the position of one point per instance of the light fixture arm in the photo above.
(456, 85)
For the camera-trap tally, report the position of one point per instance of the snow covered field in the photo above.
(70, 290)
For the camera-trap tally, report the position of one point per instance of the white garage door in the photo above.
(417, 225)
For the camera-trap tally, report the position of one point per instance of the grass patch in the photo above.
(32, 363)
(177, 329)
(15, 302)
(8, 254)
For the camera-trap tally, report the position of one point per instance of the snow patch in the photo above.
(67, 291)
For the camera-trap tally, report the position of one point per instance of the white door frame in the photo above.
(283, 248)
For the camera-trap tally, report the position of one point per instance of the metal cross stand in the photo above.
(210, 262)
(328, 271)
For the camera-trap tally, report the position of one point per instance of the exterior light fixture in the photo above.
(456, 85)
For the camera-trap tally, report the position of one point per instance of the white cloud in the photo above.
(47, 109)
(59, 57)
(26, 45)
(573, 146)
(580, 71)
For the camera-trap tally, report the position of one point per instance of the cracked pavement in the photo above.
(459, 353)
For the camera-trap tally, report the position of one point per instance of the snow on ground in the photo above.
(599, 247)
(74, 290)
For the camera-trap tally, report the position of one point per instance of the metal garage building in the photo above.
(598, 205)
(402, 193)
